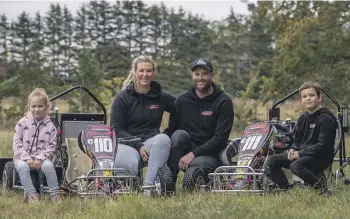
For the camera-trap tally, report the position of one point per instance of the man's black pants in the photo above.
(181, 144)
(306, 168)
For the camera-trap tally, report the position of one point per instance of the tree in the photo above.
(4, 37)
(53, 37)
(88, 74)
(66, 45)
(21, 38)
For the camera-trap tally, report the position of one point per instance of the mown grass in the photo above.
(298, 203)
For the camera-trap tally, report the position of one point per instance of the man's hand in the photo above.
(144, 153)
(30, 163)
(186, 160)
(290, 153)
(37, 164)
(295, 155)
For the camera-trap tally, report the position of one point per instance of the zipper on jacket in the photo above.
(199, 118)
(36, 135)
(141, 108)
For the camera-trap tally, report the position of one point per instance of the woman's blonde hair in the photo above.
(37, 92)
(134, 63)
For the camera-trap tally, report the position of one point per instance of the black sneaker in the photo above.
(321, 184)
(326, 193)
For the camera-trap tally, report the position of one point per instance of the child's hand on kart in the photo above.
(186, 160)
(144, 153)
(37, 164)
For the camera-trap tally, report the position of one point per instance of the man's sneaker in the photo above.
(325, 192)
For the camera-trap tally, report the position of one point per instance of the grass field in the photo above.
(297, 203)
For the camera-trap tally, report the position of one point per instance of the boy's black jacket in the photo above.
(135, 114)
(315, 135)
(208, 120)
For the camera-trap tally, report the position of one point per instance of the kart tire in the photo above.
(193, 179)
(164, 181)
(7, 176)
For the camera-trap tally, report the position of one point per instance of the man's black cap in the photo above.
(203, 63)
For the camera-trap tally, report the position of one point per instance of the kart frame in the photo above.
(274, 117)
(61, 156)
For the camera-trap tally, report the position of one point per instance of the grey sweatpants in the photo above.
(130, 159)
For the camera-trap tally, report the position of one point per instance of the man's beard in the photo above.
(204, 88)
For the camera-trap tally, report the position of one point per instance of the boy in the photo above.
(313, 148)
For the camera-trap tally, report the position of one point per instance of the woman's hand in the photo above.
(144, 153)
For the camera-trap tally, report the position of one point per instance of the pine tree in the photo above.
(4, 37)
(53, 38)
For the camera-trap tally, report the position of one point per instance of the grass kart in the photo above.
(258, 141)
(84, 158)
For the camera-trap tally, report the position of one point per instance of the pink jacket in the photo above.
(34, 140)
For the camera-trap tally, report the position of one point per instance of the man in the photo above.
(200, 124)
(313, 148)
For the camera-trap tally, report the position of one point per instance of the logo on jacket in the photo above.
(153, 106)
(207, 113)
(312, 126)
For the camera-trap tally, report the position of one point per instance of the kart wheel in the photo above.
(7, 175)
(347, 181)
(164, 181)
(194, 179)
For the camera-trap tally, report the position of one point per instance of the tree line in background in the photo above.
(263, 55)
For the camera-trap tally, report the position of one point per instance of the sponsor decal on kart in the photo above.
(99, 142)
(252, 141)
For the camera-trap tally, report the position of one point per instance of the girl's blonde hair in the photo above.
(134, 63)
(37, 92)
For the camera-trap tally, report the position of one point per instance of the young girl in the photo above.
(137, 111)
(34, 144)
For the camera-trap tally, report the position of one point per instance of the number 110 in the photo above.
(103, 145)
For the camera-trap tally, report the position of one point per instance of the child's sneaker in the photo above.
(55, 198)
(33, 199)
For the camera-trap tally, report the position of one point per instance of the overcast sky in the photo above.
(213, 10)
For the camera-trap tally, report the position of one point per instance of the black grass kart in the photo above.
(258, 141)
(84, 158)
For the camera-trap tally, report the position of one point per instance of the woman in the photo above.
(138, 111)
